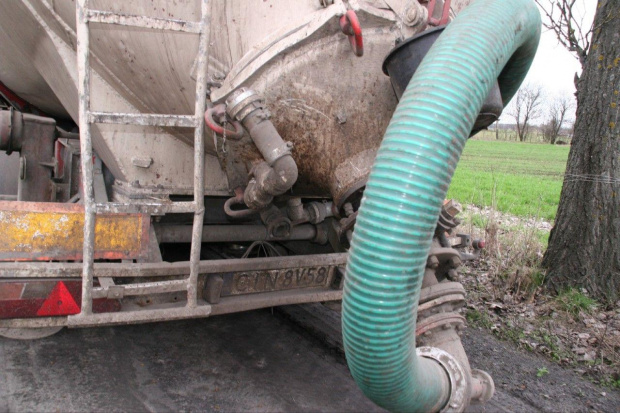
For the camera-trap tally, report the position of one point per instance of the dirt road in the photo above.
(253, 361)
(257, 361)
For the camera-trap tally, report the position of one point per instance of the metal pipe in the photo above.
(63, 134)
(279, 172)
(237, 200)
(229, 233)
(12, 270)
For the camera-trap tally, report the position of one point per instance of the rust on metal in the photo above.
(51, 231)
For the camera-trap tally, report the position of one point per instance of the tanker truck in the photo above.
(164, 160)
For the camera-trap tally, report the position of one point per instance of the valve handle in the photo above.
(219, 112)
(350, 25)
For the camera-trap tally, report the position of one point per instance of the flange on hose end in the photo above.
(438, 329)
(458, 399)
(481, 389)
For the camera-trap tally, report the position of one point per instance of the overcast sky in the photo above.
(554, 67)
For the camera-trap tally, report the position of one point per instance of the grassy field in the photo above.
(523, 179)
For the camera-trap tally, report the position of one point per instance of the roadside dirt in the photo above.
(515, 372)
(519, 387)
(507, 296)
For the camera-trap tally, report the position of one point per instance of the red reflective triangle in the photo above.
(59, 302)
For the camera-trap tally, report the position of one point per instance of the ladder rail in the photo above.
(132, 20)
(143, 119)
(86, 156)
(199, 154)
(86, 118)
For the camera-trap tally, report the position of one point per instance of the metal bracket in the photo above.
(116, 291)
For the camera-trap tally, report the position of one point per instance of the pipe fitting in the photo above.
(459, 392)
(313, 212)
(279, 172)
(237, 200)
(483, 386)
(278, 225)
(242, 102)
(295, 210)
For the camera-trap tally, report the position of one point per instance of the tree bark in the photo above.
(584, 245)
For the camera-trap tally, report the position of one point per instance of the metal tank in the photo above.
(331, 104)
(180, 159)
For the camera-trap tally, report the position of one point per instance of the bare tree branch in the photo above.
(526, 107)
(567, 26)
(556, 118)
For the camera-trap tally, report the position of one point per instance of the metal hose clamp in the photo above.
(242, 102)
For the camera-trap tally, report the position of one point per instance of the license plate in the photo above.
(249, 282)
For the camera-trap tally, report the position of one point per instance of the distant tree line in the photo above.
(536, 117)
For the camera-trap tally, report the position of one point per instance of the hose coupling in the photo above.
(242, 102)
(278, 224)
(278, 173)
(459, 393)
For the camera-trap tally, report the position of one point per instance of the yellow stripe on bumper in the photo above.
(52, 231)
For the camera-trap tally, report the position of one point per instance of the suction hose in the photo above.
(488, 40)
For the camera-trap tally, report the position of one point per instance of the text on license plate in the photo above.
(275, 280)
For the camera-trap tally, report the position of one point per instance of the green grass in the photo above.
(523, 179)
(573, 302)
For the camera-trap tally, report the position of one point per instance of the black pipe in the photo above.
(229, 233)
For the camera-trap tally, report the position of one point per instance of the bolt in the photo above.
(455, 261)
(432, 262)
(416, 15)
(341, 117)
(453, 275)
(452, 207)
(348, 209)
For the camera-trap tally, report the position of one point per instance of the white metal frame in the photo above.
(85, 16)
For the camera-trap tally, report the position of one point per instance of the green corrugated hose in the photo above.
(490, 39)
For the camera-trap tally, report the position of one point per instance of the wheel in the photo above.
(29, 333)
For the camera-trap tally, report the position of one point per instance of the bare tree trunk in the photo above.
(525, 108)
(584, 246)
